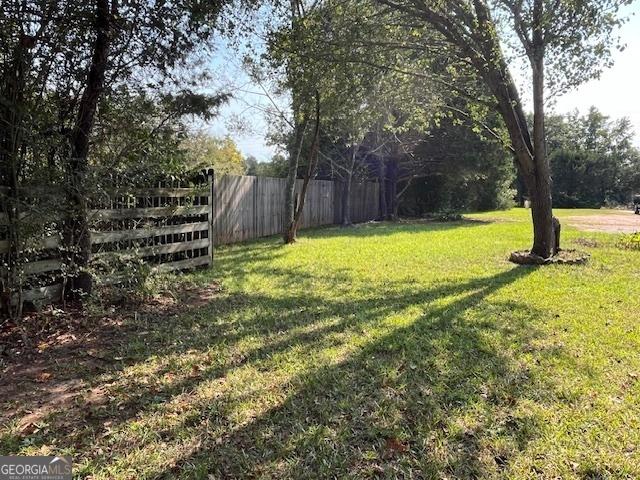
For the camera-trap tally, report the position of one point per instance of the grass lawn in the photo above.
(410, 350)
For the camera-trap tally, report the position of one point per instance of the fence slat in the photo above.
(182, 264)
(139, 233)
(154, 212)
(159, 249)
(182, 192)
(42, 266)
(50, 293)
(50, 242)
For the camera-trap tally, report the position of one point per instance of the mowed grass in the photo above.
(410, 350)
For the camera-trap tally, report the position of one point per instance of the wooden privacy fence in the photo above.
(174, 228)
(245, 208)
(364, 202)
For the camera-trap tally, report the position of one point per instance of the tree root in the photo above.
(563, 257)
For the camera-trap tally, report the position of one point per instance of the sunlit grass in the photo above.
(412, 350)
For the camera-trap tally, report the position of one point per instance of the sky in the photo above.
(243, 117)
(616, 93)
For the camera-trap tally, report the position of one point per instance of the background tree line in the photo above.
(593, 158)
(454, 167)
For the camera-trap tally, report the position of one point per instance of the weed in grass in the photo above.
(630, 241)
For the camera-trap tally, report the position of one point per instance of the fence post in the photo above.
(211, 176)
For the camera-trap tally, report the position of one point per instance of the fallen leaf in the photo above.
(394, 446)
(43, 377)
(28, 428)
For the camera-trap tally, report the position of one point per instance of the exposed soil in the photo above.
(622, 221)
(46, 358)
(564, 257)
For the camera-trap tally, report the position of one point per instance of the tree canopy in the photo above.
(458, 44)
(222, 154)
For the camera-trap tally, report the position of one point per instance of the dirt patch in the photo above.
(587, 242)
(46, 358)
(610, 222)
(564, 257)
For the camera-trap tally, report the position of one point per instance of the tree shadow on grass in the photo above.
(229, 390)
(434, 397)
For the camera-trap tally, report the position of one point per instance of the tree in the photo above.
(356, 100)
(295, 204)
(573, 39)
(328, 102)
(305, 106)
(593, 159)
(251, 166)
(139, 139)
(65, 58)
(276, 167)
(221, 154)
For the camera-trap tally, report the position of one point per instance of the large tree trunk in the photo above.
(289, 228)
(544, 243)
(77, 236)
(531, 159)
(544, 238)
(289, 233)
(311, 166)
(544, 231)
(346, 201)
(297, 218)
(530, 153)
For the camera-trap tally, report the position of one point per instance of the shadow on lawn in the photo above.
(429, 398)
